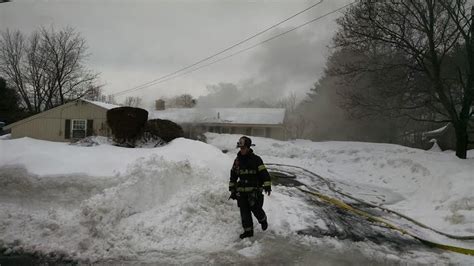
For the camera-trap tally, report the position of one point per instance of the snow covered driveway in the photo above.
(169, 205)
(124, 222)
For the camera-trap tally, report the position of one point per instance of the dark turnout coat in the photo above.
(249, 174)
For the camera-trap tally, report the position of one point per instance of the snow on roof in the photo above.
(265, 116)
(107, 106)
(436, 131)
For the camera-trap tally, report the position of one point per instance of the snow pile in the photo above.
(162, 206)
(55, 158)
(105, 202)
(170, 204)
(146, 141)
(435, 146)
(92, 141)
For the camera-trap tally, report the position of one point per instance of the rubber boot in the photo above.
(264, 225)
(246, 234)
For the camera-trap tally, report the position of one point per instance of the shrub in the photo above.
(165, 129)
(126, 123)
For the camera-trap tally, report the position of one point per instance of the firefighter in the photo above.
(248, 179)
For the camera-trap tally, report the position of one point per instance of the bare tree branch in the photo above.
(46, 70)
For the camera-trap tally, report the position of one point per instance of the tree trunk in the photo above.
(461, 138)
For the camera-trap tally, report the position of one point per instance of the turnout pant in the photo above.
(251, 202)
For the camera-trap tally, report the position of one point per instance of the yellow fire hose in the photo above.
(370, 217)
(333, 189)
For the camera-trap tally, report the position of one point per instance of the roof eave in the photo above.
(10, 126)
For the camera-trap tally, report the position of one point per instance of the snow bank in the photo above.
(104, 202)
(56, 158)
(432, 187)
(162, 206)
(169, 204)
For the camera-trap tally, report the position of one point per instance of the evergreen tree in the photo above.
(9, 104)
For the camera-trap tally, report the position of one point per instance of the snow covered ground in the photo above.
(169, 204)
(433, 187)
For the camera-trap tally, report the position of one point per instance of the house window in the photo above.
(78, 129)
(215, 129)
(259, 132)
(225, 130)
(268, 132)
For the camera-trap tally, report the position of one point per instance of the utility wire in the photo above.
(220, 52)
(234, 54)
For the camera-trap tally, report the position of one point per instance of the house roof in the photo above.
(263, 116)
(107, 106)
(99, 104)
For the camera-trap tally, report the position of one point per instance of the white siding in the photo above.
(50, 125)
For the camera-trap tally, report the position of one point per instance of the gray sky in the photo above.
(133, 42)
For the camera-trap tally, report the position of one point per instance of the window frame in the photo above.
(73, 129)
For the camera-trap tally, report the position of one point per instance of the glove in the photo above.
(268, 191)
(233, 195)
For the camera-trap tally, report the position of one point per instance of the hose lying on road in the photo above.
(372, 218)
(330, 186)
(345, 206)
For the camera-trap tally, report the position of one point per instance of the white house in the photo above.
(73, 120)
(263, 122)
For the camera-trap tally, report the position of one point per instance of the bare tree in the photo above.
(95, 94)
(422, 37)
(295, 123)
(104, 98)
(458, 12)
(289, 103)
(12, 56)
(181, 101)
(132, 101)
(47, 68)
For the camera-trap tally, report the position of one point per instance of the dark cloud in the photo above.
(290, 65)
(220, 95)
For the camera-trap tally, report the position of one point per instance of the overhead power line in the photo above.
(222, 51)
(168, 77)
